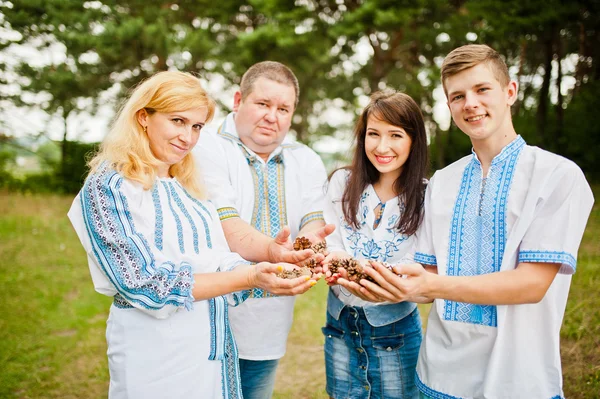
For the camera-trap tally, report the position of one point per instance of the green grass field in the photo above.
(52, 323)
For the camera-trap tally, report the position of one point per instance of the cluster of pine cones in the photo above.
(300, 244)
(354, 269)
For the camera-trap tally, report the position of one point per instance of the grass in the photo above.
(52, 323)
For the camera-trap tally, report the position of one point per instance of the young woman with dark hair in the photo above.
(376, 204)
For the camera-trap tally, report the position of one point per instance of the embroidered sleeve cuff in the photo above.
(425, 259)
(567, 261)
(235, 298)
(260, 293)
(227, 213)
(311, 217)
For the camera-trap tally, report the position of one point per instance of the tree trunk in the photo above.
(560, 114)
(542, 110)
(63, 144)
(522, 60)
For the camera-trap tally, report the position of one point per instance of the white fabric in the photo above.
(260, 325)
(134, 240)
(384, 244)
(504, 351)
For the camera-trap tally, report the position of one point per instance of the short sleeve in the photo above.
(559, 220)
(423, 250)
(314, 183)
(122, 260)
(332, 210)
(210, 155)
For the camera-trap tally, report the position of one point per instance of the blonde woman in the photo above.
(157, 247)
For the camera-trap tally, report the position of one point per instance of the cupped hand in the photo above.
(331, 278)
(264, 275)
(281, 249)
(403, 283)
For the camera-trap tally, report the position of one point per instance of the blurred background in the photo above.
(65, 66)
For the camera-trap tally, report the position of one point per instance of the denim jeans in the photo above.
(258, 378)
(362, 361)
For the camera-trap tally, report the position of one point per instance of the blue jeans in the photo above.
(362, 361)
(258, 378)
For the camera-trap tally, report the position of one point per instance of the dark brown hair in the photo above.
(401, 110)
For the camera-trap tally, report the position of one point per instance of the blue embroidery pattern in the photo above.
(158, 224)
(188, 217)
(123, 254)
(478, 229)
(176, 217)
(311, 217)
(425, 259)
(227, 213)
(430, 392)
(269, 214)
(362, 246)
(548, 257)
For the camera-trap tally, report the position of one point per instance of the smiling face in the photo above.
(264, 117)
(387, 147)
(480, 105)
(172, 135)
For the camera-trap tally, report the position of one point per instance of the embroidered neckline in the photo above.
(506, 152)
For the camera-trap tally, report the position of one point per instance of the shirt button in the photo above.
(363, 367)
(389, 349)
(359, 350)
(354, 332)
(366, 387)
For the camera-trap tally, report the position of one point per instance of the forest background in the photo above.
(51, 321)
(340, 50)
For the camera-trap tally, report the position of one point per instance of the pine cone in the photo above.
(289, 274)
(354, 269)
(301, 243)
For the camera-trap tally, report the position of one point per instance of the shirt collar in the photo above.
(227, 130)
(507, 151)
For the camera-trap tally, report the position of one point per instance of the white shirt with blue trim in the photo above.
(144, 248)
(286, 189)
(532, 207)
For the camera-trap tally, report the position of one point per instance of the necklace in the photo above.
(378, 214)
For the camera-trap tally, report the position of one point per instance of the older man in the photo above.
(262, 181)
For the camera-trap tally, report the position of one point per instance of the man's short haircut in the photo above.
(471, 55)
(271, 70)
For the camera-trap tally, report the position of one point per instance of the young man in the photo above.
(501, 232)
(260, 182)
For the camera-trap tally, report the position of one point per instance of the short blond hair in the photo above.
(126, 147)
(271, 70)
(471, 55)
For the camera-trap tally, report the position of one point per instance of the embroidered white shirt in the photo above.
(144, 247)
(533, 207)
(288, 189)
(383, 244)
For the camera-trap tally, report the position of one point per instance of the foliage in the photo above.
(341, 51)
(65, 177)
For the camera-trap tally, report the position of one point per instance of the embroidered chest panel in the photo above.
(365, 243)
(189, 216)
(269, 214)
(478, 229)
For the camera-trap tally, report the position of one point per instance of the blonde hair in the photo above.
(471, 55)
(126, 147)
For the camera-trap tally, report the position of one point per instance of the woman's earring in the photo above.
(145, 129)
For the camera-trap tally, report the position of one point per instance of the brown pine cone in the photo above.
(353, 268)
(320, 247)
(289, 274)
(301, 243)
